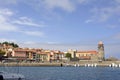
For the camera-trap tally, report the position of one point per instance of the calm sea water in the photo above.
(67, 73)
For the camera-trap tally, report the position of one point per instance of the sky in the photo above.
(62, 24)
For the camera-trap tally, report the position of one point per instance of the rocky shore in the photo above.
(62, 64)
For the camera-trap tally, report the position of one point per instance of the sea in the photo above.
(66, 73)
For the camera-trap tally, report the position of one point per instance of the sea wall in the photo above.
(57, 64)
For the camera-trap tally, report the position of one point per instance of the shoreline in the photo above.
(61, 64)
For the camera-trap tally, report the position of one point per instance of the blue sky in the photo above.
(62, 24)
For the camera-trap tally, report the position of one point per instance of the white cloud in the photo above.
(104, 14)
(27, 21)
(66, 5)
(34, 33)
(4, 15)
(6, 24)
(6, 12)
(4, 18)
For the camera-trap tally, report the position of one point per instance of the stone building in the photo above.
(89, 55)
(101, 51)
(86, 55)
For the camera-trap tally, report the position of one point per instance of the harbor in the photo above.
(67, 73)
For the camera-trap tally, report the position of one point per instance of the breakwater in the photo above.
(57, 64)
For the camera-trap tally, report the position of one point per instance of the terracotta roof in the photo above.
(24, 50)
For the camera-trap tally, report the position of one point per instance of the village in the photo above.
(28, 54)
(13, 53)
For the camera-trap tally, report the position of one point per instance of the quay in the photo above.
(64, 64)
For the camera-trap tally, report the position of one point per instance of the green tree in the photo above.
(2, 53)
(5, 43)
(68, 55)
(12, 44)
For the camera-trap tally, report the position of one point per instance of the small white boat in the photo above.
(11, 76)
(95, 65)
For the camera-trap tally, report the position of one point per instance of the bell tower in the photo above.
(101, 51)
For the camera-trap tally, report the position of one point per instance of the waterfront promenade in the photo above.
(55, 64)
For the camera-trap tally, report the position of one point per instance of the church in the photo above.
(89, 55)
